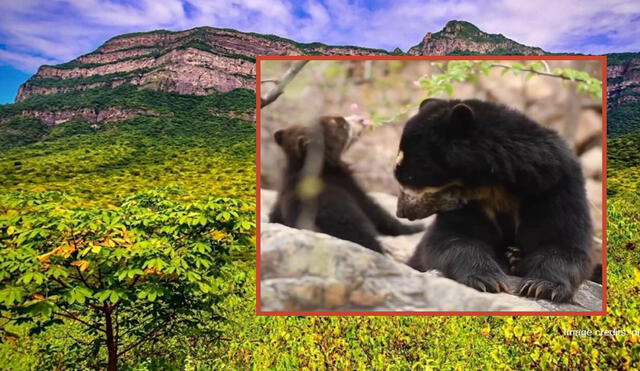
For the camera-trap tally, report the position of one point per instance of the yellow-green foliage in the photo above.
(206, 154)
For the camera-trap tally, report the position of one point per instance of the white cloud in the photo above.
(563, 25)
(23, 62)
(145, 13)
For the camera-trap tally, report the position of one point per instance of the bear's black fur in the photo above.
(340, 208)
(525, 188)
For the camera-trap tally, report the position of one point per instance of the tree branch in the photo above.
(144, 338)
(274, 93)
(100, 283)
(73, 317)
(550, 74)
(82, 277)
(117, 330)
(60, 282)
(78, 340)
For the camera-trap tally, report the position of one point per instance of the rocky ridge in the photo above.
(623, 79)
(197, 62)
(463, 38)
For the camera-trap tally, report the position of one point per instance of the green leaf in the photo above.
(103, 295)
(44, 308)
(11, 295)
(57, 271)
(114, 297)
(204, 287)
(223, 216)
(78, 294)
(156, 263)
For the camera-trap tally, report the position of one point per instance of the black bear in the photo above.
(516, 184)
(328, 195)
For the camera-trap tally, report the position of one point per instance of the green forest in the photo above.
(134, 242)
(623, 119)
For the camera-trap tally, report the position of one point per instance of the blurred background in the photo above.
(389, 92)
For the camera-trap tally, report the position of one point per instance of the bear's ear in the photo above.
(279, 136)
(461, 117)
(427, 101)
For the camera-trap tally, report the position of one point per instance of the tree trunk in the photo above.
(112, 347)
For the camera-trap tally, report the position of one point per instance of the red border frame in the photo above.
(603, 312)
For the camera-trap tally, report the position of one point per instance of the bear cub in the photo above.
(518, 185)
(318, 185)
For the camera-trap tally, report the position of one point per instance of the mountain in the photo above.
(206, 60)
(193, 62)
(623, 93)
(463, 38)
(197, 62)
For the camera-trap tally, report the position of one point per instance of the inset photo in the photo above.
(431, 186)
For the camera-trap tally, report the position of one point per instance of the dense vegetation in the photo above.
(121, 175)
(623, 119)
(129, 96)
(150, 268)
(120, 228)
(620, 58)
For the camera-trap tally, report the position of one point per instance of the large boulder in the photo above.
(309, 271)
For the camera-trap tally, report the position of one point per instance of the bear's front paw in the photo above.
(487, 281)
(543, 289)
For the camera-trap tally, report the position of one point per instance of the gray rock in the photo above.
(310, 271)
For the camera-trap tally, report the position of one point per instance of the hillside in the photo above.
(173, 113)
(176, 140)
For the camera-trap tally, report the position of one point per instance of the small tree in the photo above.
(128, 274)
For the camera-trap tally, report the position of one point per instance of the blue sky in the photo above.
(36, 32)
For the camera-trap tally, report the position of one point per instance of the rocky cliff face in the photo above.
(623, 79)
(56, 117)
(464, 38)
(197, 62)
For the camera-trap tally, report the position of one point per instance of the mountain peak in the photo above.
(464, 38)
(457, 26)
